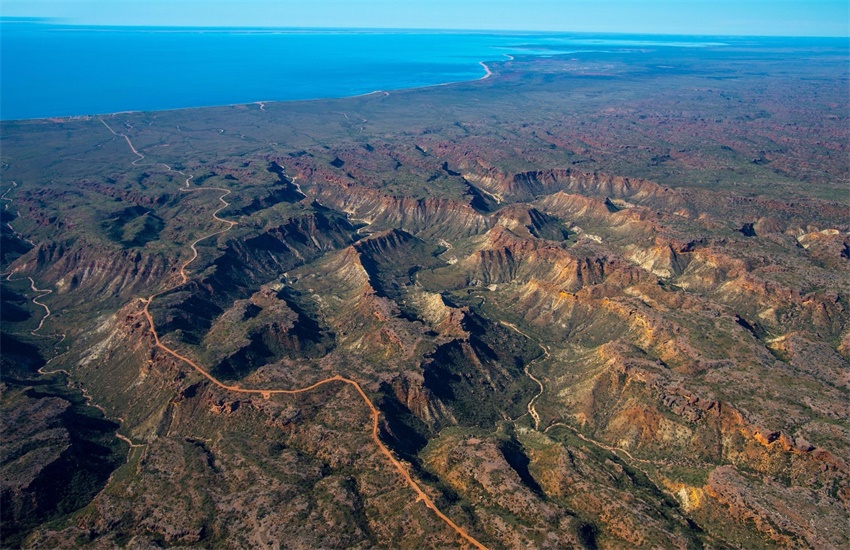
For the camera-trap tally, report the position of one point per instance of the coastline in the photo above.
(261, 104)
(486, 68)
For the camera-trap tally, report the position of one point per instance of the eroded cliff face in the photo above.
(99, 272)
(558, 358)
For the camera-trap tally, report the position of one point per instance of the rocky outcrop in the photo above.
(85, 270)
(528, 185)
(531, 222)
(427, 217)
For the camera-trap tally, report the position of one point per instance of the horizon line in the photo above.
(59, 22)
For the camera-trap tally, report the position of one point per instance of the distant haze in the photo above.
(717, 17)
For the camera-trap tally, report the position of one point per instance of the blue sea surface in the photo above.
(51, 70)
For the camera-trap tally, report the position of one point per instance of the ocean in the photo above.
(50, 70)
(55, 70)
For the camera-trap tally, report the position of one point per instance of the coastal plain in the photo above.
(594, 300)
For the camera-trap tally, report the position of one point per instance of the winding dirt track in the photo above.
(130, 143)
(267, 393)
(531, 410)
(230, 225)
(42, 293)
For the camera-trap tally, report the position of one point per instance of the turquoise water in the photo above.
(59, 71)
(53, 70)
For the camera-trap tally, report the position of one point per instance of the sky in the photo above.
(707, 17)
